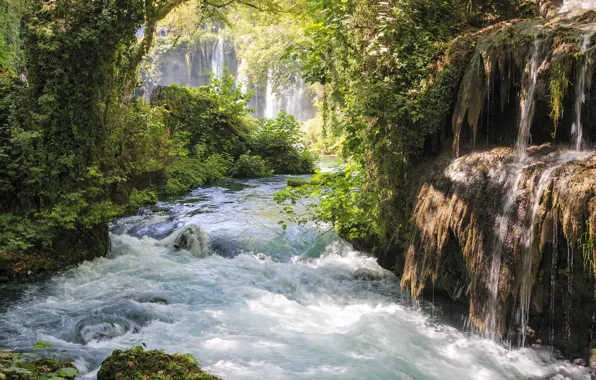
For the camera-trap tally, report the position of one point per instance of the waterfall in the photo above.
(271, 100)
(492, 321)
(188, 68)
(217, 62)
(513, 175)
(527, 275)
(294, 100)
(241, 77)
(580, 95)
(527, 103)
(574, 5)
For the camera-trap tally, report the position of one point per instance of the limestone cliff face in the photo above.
(515, 240)
(509, 224)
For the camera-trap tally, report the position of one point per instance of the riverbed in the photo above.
(266, 304)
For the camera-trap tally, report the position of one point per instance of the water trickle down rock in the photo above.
(582, 82)
(503, 208)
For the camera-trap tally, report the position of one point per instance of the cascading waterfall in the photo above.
(293, 100)
(217, 62)
(513, 176)
(492, 321)
(575, 5)
(271, 100)
(527, 277)
(188, 68)
(580, 94)
(241, 77)
(527, 103)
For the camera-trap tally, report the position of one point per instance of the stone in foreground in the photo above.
(156, 365)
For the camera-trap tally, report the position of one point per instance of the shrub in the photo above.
(278, 142)
(250, 166)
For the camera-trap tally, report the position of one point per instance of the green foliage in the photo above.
(142, 198)
(138, 363)
(390, 75)
(27, 366)
(250, 166)
(11, 12)
(211, 115)
(187, 173)
(339, 198)
(278, 142)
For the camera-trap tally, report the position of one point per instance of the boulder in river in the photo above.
(140, 364)
(364, 274)
(192, 239)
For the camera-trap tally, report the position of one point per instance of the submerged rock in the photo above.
(192, 239)
(364, 274)
(140, 364)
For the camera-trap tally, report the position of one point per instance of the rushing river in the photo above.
(268, 304)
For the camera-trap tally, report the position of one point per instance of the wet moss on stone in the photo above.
(139, 364)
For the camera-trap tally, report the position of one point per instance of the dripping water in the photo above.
(527, 103)
(580, 95)
(553, 284)
(491, 324)
(569, 291)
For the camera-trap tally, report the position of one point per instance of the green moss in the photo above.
(140, 364)
(13, 366)
(297, 182)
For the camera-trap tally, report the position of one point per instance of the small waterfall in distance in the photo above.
(217, 62)
(575, 5)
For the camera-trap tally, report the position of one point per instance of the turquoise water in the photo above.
(267, 304)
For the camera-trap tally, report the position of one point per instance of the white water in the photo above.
(577, 131)
(293, 100)
(527, 102)
(272, 107)
(575, 5)
(267, 305)
(217, 61)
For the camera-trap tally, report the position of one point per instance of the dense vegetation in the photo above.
(390, 74)
(79, 147)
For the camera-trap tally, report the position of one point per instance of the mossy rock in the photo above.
(156, 365)
(297, 182)
(13, 367)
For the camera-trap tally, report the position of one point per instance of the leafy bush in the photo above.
(139, 198)
(213, 115)
(278, 142)
(250, 166)
(340, 198)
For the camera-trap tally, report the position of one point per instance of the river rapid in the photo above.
(268, 304)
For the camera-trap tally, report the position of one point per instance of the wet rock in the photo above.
(364, 274)
(12, 367)
(592, 358)
(192, 239)
(297, 182)
(140, 364)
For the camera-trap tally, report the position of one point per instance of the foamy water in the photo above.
(267, 304)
